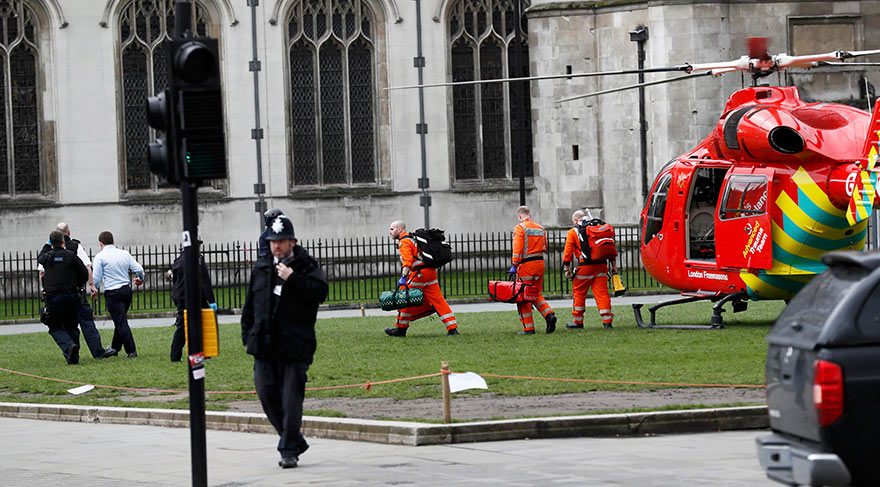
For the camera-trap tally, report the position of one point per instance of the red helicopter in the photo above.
(749, 212)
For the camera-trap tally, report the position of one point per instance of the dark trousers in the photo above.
(118, 301)
(89, 330)
(281, 387)
(64, 312)
(178, 340)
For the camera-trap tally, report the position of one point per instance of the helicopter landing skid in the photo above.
(716, 323)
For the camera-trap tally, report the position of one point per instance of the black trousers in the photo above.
(118, 301)
(281, 387)
(89, 330)
(64, 310)
(178, 340)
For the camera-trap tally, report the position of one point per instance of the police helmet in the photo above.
(280, 228)
(271, 214)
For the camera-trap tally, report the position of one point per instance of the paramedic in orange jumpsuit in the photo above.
(419, 277)
(529, 245)
(586, 276)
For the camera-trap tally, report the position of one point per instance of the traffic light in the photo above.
(195, 75)
(161, 154)
(188, 115)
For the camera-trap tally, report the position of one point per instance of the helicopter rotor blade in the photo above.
(741, 64)
(663, 69)
(784, 61)
(639, 85)
(852, 54)
(832, 63)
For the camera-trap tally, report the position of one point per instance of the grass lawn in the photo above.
(355, 350)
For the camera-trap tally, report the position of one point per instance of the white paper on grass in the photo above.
(467, 380)
(81, 389)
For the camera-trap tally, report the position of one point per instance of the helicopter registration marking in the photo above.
(757, 240)
(715, 276)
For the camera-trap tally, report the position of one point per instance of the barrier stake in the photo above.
(444, 381)
(363, 310)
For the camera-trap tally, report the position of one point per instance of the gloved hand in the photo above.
(401, 281)
(213, 306)
(512, 270)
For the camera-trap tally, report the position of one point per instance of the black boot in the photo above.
(551, 323)
(395, 332)
(72, 355)
(288, 460)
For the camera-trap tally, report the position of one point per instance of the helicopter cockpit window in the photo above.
(744, 196)
(657, 208)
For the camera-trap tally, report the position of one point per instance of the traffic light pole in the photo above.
(196, 362)
(196, 357)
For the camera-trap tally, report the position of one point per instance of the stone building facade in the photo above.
(340, 153)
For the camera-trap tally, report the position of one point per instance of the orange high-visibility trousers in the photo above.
(532, 273)
(434, 302)
(593, 276)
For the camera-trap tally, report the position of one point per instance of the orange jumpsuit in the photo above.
(529, 245)
(587, 276)
(424, 278)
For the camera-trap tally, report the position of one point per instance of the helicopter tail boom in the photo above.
(864, 196)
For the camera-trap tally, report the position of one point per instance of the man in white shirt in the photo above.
(112, 270)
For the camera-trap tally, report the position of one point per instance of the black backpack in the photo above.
(433, 249)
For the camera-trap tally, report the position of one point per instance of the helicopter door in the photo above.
(742, 229)
(705, 189)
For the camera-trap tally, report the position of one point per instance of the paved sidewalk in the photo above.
(339, 313)
(39, 453)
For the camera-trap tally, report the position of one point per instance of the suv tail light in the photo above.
(827, 391)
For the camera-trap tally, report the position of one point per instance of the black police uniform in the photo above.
(178, 295)
(85, 317)
(278, 329)
(64, 273)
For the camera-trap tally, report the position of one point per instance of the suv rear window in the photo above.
(810, 308)
(868, 322)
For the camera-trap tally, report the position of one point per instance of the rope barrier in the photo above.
(366, 385)
(625, 382)
(369, 384)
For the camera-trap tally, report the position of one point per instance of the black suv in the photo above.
(823, 379)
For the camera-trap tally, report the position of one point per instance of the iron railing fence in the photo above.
(358, 269)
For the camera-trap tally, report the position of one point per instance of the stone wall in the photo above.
(593, 36)
(80, 111)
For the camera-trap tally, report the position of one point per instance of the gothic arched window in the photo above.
(483, 44)
(144, 28)
(22, 163)
(332, 89)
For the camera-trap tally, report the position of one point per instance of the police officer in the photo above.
(64, 274)
(269, 216)
(278, 329)
(85, 316)
(178, 295)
